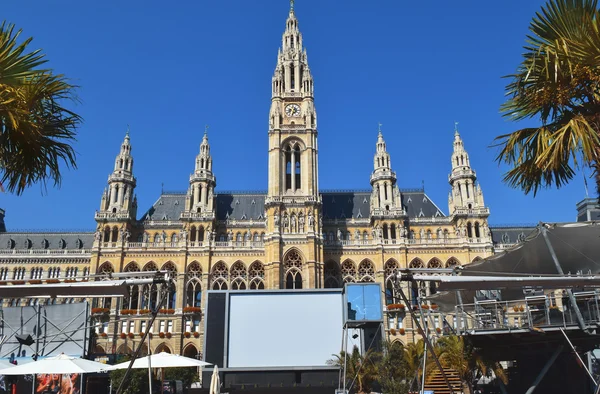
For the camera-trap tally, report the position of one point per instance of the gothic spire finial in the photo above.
(292, 5)
(127, 132)
(455, 128)
(205, 129)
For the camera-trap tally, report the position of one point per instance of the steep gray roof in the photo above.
(240, 205)
(344, 204)
(356, 204)
(168, 207)
(230, 205)
(46, 240)
(510, 234)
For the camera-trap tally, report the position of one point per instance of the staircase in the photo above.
(435, 382)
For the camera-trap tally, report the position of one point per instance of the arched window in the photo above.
(477, 230)
(293, 270)
(193, 234)
(297, 167)
(174, 238)
(151, 266)
(446, 234)
(156, 238)
(332, 275)
(107, 234)
(469, 230)
(288, 168)
(256, 275)
(434, 263)
(115, 234)
(416, 263)
(365, 236)
(238, 276)
(219, 276)
(194, 292)
(393, 231)
(452, 262)
(200, 234)
(255, 238)
(348, 271)
(366, 271)
(390, 269)
(385, 231)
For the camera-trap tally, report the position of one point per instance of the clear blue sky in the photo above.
(169, 68)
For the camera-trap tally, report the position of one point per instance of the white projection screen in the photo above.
(284, 329)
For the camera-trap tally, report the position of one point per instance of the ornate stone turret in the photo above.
(465, 202)
(199, 201)
(118, 201)
(465, 192)
(385, 197)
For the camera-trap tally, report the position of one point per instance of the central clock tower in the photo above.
(293, 202)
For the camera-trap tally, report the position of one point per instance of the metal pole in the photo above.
(149, 365)
(38, 331)
(429, 345)
(577, 354)
(544, 370)
(164, 292)
(544, 231)
(345, 349)
(424, 366)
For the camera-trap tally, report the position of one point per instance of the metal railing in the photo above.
(535, 312)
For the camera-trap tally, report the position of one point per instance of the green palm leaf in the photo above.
(558, 82)
(36, 129)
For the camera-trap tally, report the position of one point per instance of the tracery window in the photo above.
(293, 270)
(332, 275)
(416, 263)
(170, 302)
(348, 271)
(292, 166)
(238, 276)
(452, 262)
(257, 275)
(219, 276)
(151, 266)
(389, 270)
(366, 271)
(434, 263)
(194, 285)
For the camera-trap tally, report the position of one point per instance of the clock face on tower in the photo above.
(292, 110)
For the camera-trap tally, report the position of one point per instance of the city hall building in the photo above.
(292, 236)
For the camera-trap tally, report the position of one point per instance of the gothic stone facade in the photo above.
(292, 236)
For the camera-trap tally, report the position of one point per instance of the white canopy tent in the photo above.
(61, 364)
(161, 360)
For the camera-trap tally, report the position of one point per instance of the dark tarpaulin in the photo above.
(576, 245)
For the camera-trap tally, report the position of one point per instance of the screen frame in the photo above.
(230, 293)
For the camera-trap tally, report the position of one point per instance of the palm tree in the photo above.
(558, 82)
(393, 373)
(35, 127)
(361, 369)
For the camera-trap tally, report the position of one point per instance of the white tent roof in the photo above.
(162, 360)
(61, 364)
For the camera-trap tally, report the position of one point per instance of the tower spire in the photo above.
(292, 5)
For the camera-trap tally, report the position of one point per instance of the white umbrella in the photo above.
(161, 360)
(61, 364)
(215, 382)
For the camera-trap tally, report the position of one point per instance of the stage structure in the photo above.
(283, 338)
(535, 306)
